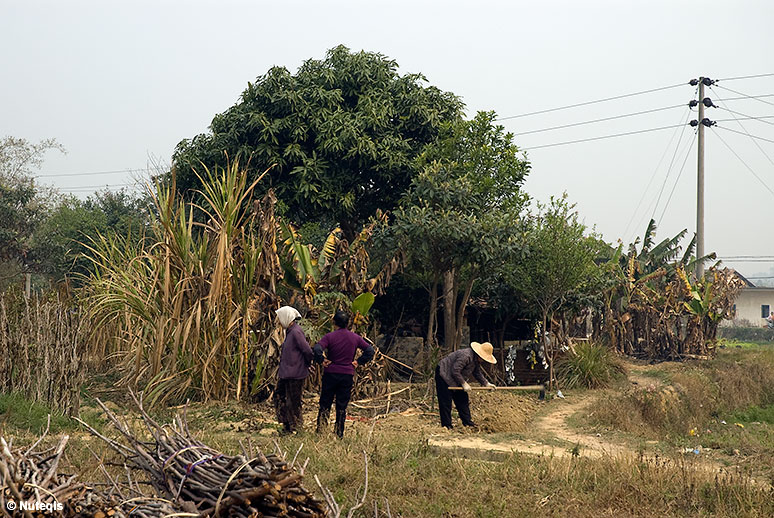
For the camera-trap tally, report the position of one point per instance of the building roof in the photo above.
(747, 283)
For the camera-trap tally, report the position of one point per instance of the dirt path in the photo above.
(552, 435)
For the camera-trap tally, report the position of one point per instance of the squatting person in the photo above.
(295, 360)
(336, 351)
(453, 371)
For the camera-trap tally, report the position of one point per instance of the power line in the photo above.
(747, 132)
(653, 176)
(677, 180)
(745, 163)
(746, 257)
(758, 98)
(93, 173)
(669, 170)
(590, 102)
(751, 136)
(744, 77)
(602, 137)
(88, 187)
(598, 120)
(743, 97)
(745, 117)
(750, 260)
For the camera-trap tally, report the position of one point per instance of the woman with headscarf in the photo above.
(295, 359)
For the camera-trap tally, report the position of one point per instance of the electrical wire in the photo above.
(745, 130)
(745, 97)
(746, 257)
(88, 187)
(759, 119)
(519, 133)
(744, 77)
(751, 136)
(745, 163)
(758, 98)
(669, 171)
(677, 180)
(93, 173)
(589, 102)
(601, 138)
(653, 176)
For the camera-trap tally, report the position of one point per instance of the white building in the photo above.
(753, 305)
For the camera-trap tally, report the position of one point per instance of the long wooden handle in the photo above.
(521, 387)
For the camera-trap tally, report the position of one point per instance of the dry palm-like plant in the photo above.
(655, 311)
(181, 306)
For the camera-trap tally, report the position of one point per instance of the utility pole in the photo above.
(703, 102)
(700, 188)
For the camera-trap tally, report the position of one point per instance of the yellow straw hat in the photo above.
(484, 350)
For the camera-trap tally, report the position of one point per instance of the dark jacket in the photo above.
(296, 355)
(341, 346)
(459, 365)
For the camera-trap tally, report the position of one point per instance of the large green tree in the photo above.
(343, 134)
(461, 216)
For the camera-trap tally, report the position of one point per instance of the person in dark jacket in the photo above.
(295, 360)
(453, 371)
(336, 351)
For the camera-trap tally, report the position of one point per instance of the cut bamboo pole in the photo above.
(520, 387)
(541, 388)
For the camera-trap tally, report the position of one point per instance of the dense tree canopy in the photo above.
(344, 133)
(462, 213)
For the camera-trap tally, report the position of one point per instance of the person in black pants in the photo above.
(452, 371)
(336, 351)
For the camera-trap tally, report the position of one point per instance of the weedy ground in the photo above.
(669, 407)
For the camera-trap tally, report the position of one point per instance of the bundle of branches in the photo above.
(200, 480)
(41, 350)
(29, 476)
(31, 485)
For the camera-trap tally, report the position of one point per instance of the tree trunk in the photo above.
(546, 350)
(449, 305)
(461, 312)
(432, 317)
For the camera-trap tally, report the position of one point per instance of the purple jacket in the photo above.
(296, 355)
(341, 345)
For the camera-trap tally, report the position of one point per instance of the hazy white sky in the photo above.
(120, 83)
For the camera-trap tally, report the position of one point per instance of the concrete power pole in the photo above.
(700, 187)
(703, 102)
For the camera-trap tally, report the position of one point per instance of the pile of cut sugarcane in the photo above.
(166, 472)
(202, 481)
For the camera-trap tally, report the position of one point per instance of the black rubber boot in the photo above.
(322, 420)
(341, 418)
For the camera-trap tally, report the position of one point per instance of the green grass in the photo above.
(20, 414)
(755, 414)
(744, 344)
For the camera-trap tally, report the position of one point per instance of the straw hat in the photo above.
(484, 350)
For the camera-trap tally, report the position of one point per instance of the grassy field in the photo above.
(685, 406)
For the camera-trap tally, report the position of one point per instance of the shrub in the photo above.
(592, 366)
(747, 334)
